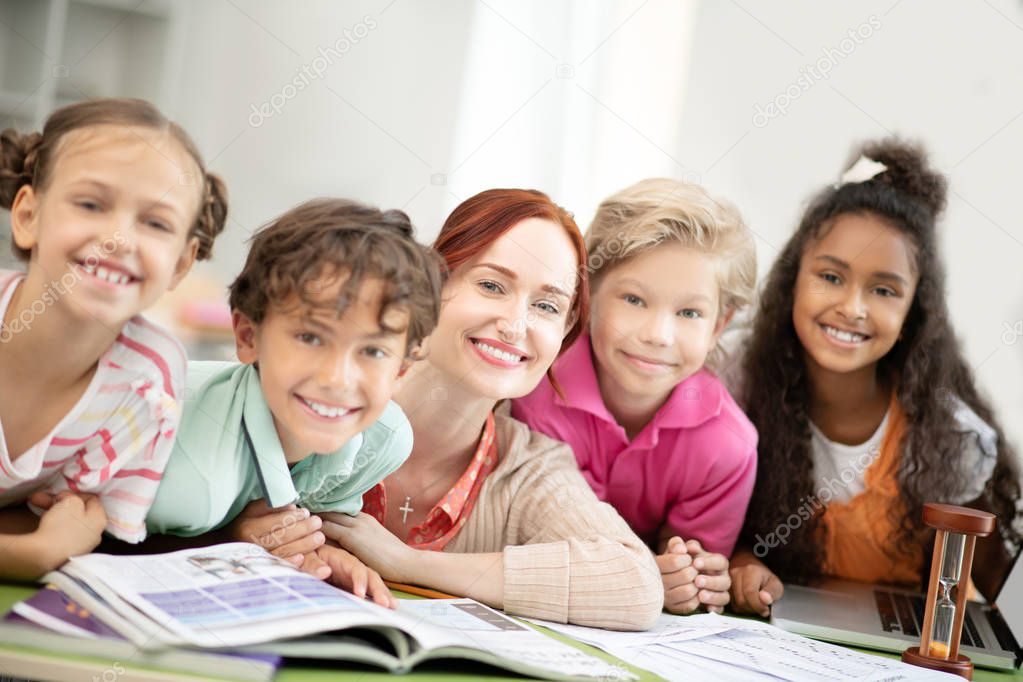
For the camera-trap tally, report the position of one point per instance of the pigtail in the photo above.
(212, 215)
(18, 156)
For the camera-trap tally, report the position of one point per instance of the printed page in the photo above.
(463, 623)
(128, 621)
(667, 630)
(229, 595)
(735, 648)
(675, 664)
(801, 659)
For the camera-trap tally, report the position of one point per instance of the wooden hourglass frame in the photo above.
(957, 531)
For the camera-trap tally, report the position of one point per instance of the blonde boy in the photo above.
(655, 432)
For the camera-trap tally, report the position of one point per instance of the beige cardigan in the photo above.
(568, 557)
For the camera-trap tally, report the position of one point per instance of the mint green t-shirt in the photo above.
(215, 470)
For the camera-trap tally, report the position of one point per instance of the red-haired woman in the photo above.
(484, 507)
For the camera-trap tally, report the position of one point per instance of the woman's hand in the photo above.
(754, 586)
(477, 576)
(373, 544)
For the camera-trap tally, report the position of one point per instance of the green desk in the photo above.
(11, 593)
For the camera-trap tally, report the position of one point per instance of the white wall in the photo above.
(947, 73)
(375, 126)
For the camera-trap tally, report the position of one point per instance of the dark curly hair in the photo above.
(926, 365)
(322, 237)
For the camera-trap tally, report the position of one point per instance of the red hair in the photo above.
(481, 220)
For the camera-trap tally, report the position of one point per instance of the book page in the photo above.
(228, 595)
(437, 624)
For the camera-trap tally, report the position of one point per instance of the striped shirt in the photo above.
(114, 443)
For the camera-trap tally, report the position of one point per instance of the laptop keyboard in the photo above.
(905, 613)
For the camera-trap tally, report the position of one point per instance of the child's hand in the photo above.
(678, 574)
(754, 586)
(287, 532)
(71, 525)
(349, 573)
(311, 563)
(41, 499)
(713, 580)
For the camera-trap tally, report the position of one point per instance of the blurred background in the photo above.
(417, 106)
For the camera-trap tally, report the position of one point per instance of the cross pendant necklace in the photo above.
(405, 509)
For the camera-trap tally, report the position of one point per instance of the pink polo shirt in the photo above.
(692, 467)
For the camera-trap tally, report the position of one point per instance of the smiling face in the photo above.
(113, 221)
(506, 312)
(655, 318)
(853, 292)
(325, 378)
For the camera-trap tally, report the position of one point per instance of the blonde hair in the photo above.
(658, 210)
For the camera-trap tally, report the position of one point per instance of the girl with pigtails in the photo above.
(109, 207)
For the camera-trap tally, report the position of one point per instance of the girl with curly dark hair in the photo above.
(865, 405)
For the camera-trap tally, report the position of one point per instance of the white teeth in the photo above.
(497, 353)
(106, 274)
(325, 410)
(847, 337)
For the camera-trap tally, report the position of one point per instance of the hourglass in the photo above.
(957, 531)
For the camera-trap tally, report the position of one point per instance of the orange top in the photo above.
(449, 514)
(861, 537)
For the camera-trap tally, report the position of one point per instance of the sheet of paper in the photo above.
(724, 648)
(666, 630)
(675, 664)
(800, 659)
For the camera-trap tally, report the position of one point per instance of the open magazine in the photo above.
(238, 597)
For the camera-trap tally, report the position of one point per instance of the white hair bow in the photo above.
(864, 169)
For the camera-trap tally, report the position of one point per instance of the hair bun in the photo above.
(18, 153)
(397, 220)
(908, 171)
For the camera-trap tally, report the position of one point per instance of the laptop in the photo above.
(889, 618)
